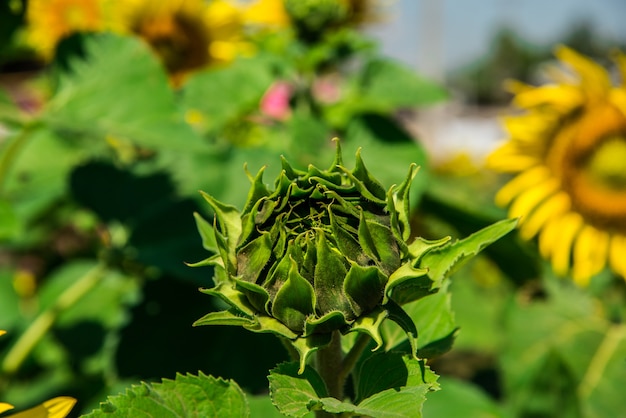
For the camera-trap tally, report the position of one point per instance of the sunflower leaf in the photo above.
(102, 96)
(398, 391)
(441, 261)
(187, 395)
(295, 393)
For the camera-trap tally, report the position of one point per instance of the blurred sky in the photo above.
(435, 36)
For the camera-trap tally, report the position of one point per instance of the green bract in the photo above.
(326, 250)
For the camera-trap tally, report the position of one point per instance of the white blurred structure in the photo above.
(436, 37)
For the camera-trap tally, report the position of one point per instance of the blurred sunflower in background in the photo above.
(186, 34)
(568, 148)
(315, 15)
(49, 21)
(265, 13)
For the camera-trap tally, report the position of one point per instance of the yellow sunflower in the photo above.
(49, 21)
(58, 407)
(568, 148)
(273, 13)
(268, 13)
(186, 34)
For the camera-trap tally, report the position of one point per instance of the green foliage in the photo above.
(185, 396)
(390, 385)
(149, 120)
(570, 360)
(460, 399)
(98, 195)
(204, 94)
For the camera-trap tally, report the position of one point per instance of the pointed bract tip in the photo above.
(338, 161)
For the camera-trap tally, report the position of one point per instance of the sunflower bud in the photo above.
(326, 250)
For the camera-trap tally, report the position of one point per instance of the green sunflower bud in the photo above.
(312, 18)
(326, 250)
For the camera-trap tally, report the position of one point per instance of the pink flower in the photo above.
(275, 101)
(326, 89)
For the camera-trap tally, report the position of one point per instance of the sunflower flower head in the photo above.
(187, 35)
(49, 21)
(325, 251)
(266, 13)
(567, 150)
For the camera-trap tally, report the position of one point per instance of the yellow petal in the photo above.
(267, 12)
(594, 78)
(58, 407)
(562, 98)
(617, 255)
(2, 332)
(5, 407)
(617, 97)
(529, 199)
(555, 241)
(516, 86)
(555, 205)
(509, 159)
(531, 128)
(521, 183)
(590, 254)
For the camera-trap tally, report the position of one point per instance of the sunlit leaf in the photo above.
(461, 399)
(185, 396)
(105, 95)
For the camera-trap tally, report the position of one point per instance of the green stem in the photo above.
(29, 339)
(329, 361)
(11, 151)
(353, 356)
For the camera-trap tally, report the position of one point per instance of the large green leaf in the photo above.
(216, 97)
(295, 394)
(9, 301)
(395, 386)
(563, 357)
(120, 90)
(9, 221)
(435, 323)
(199, 396)
(384, 371)
(262, 407)
(466, 204)
(38, 175)
(461, 399)
(382, 87)
(433, 314)
(441, 261)
(389, 85)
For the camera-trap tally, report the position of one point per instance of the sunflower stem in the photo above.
(353, 356)
(329, 361)
(33, 334)
(11, 151)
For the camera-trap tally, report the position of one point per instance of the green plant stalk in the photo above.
(33, 334)
(329, 362)
(599, 362)
(353, 356)
(11, 151)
